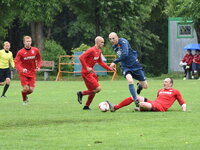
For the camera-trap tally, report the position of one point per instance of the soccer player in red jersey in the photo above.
(165, 99)
(196, 63)
(187, 63)
(88, 59)
(27, 62)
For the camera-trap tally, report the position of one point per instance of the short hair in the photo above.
(26, 37)
(97, 39)
(113, 33)
(172, 81)
(5, 42)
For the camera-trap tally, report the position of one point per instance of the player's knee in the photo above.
(145, 86)
(8, 81)
(31, 90)
(98, 89)
(129, 79)
(140, 98)
(25, 89)
(143, 106)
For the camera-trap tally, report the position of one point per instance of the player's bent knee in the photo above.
(8, 81)
(142, 104)
(97, 90)
(140, 98)
(145, 106)
(129, 78)
(145, 86)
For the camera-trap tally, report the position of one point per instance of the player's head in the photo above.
(189, 51)
(99, 42)
(168, 83)
(197, 51)
(6, 45)
(27, 41)
(113, 37)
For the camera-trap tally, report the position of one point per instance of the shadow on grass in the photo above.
(34, 123)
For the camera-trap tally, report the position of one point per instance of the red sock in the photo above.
(87, 92)
(90, 98)
(123, 103)
(24, 96)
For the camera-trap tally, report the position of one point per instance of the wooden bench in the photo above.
(46, 67)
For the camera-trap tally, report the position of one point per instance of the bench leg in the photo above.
(46, 75)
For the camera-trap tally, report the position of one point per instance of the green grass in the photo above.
(54, 120)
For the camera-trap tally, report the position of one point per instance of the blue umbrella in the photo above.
(192, 47)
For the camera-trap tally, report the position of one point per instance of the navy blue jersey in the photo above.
(126, 55)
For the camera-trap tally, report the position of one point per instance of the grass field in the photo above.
(54, 120)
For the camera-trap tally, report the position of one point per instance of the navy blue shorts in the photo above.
(5, 73)
(136, 74)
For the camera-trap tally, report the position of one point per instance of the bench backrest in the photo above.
(47, 64)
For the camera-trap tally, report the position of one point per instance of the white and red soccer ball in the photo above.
(103, 106)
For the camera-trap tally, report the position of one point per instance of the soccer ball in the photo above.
(103, 106)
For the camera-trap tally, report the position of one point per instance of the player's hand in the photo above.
(37, 69)
(187, 67)
(112, 66)
(24, 70)
(90, 70)
(112, 69)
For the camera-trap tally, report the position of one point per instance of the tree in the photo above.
(6, 17)
(37, 14)
(125, 17)
(186, 9)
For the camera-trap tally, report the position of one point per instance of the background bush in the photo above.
(52, 51)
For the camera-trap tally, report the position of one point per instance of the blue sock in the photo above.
(132, 91)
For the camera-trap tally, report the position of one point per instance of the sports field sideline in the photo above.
(54, 120)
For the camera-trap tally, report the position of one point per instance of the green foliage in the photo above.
(82, 47)
(134, 24)
(39, 11)
(6, 17)
(185, 9)
(52, 51)
(140, 22)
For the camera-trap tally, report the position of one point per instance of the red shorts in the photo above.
(30, 81)
(156, 106)
(91, 80)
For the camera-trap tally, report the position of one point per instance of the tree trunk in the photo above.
(197, 29)
(37, 35)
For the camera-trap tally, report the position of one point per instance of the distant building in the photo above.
(180, 33)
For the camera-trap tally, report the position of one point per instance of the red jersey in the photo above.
(188, 58)
(197, 58)
(28, 59)
(90, 57)
(166, 97)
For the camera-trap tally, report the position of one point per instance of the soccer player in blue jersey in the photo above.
(131, 68)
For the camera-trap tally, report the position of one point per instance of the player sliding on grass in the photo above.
(88, 59)
(165, 99)
(27, 62)
(130, 65)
